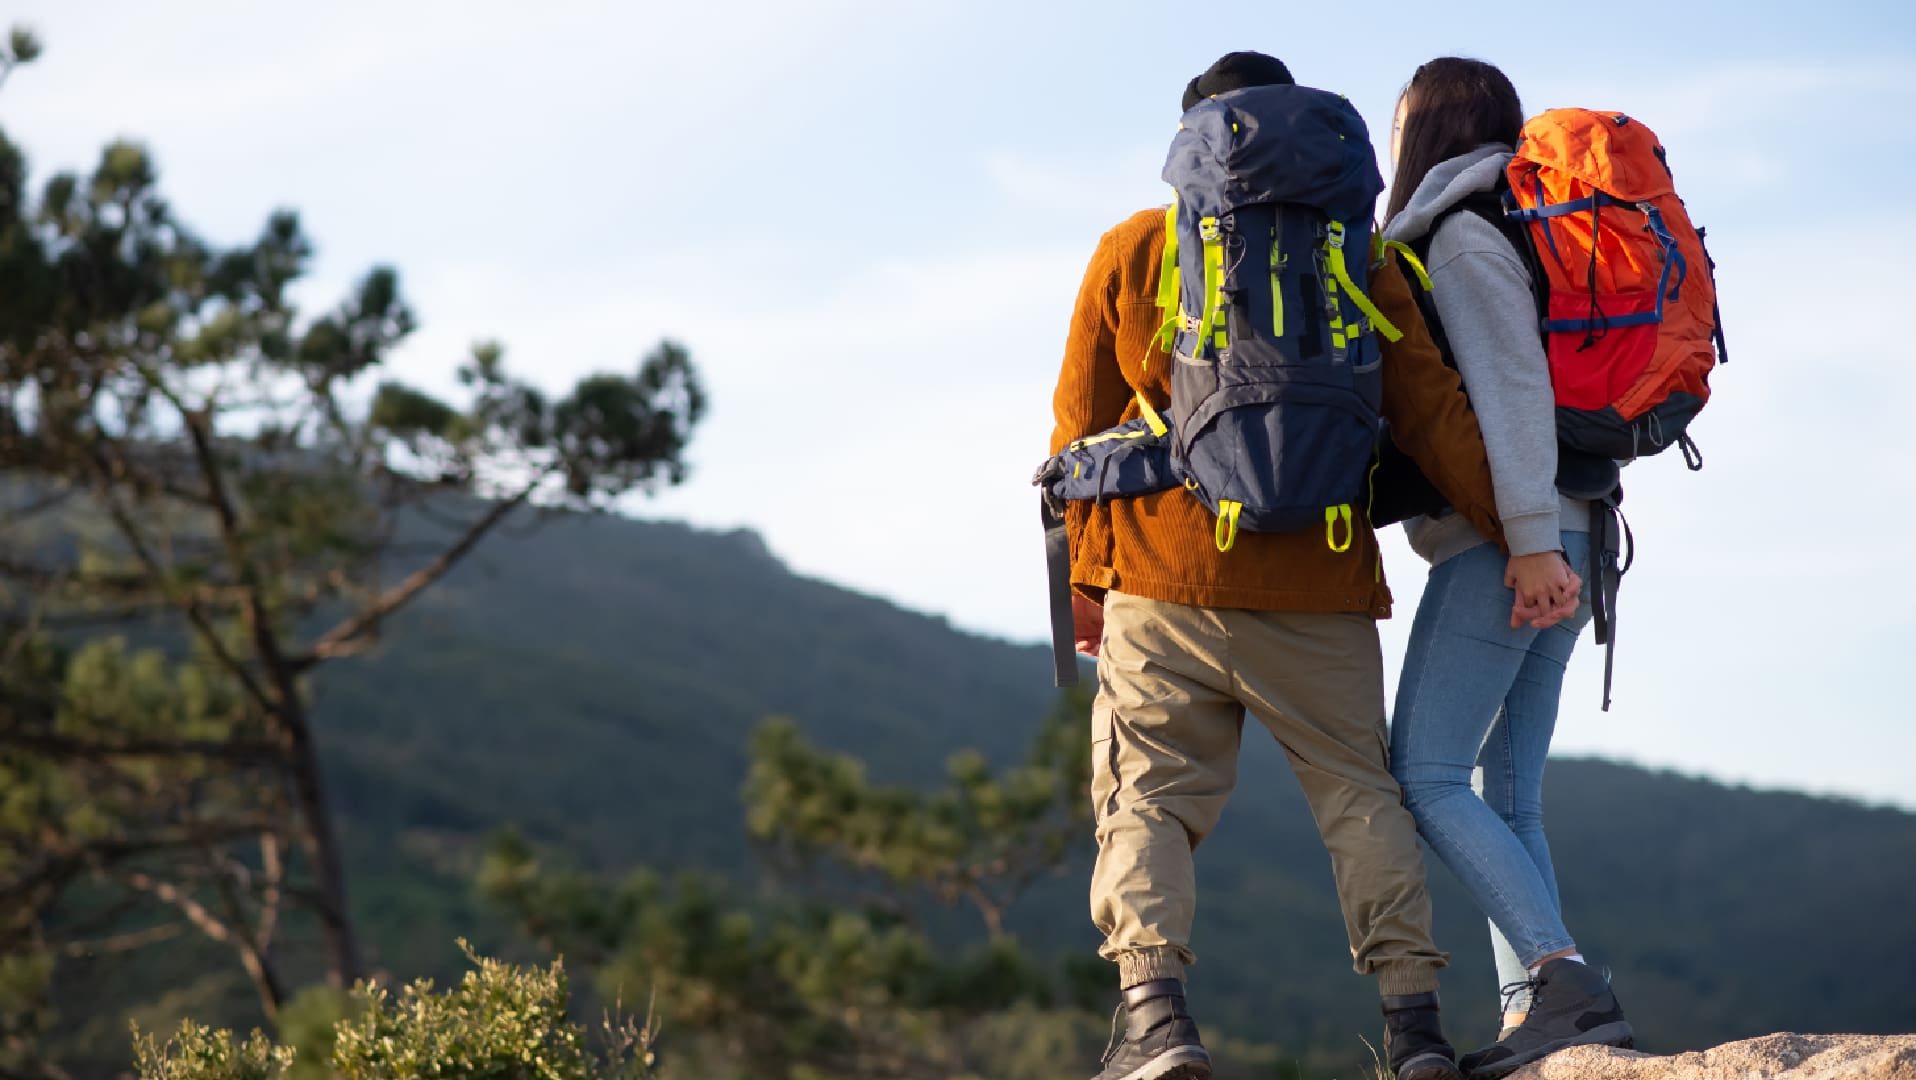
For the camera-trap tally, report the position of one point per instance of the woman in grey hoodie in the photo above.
(1485, 663)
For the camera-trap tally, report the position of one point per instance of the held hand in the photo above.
(1087, 625)
(1547, 589)
(1543, 620)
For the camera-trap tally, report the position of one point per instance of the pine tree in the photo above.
(206, 495)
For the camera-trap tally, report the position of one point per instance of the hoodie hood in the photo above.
(1446, 185)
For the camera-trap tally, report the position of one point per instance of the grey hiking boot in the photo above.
(1574, 1006)
(1414, 1042)
(1160, 1040)
(1524, 989)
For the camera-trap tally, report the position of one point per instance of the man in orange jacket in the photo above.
(1190, 638)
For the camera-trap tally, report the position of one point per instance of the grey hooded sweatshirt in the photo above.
(1483, 295)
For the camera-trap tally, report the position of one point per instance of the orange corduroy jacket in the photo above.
(1163, 546)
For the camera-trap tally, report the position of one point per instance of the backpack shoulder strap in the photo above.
(1490, 206)
(1494, 207)
(1418, 252)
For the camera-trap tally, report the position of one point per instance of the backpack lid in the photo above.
(1609, 151)
(1268, 144)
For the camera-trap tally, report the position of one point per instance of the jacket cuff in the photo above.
(1529, 534)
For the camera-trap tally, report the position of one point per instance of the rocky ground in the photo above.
(1782, 1057)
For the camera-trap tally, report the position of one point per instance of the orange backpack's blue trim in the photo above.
(1673, 260)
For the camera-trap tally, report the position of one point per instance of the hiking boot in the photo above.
(1573, 1006)
(1525, 986)
(1414, 1042)
(1470, 1063)
(1160, 1040)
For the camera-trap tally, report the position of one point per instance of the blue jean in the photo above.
(1477, 693)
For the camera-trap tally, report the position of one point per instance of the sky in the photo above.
(868, 221)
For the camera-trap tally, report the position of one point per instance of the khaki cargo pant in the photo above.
(1174, 682)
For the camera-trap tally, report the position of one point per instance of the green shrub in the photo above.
(199, 1053)
(502, 1022)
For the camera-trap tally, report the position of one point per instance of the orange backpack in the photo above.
(1630, 313)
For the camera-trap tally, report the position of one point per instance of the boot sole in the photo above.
(1617, 1034)
(1184, 1063)
(1430, 1067)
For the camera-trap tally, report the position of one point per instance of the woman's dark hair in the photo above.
(1452, 106)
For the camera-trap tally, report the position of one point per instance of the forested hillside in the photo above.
(595, 682)
(600, 696)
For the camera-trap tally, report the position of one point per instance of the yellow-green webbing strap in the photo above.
(1332, 515)
(1411, 260)
(1213, 279)
(1151, 417)
(1334, 248)
(1277, 288)
(1227, 512)
(1169, 299)
(1339, 337)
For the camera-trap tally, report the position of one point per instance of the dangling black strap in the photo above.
(1610, 539)
(1057, 558)
(1716, 308)
(1692, 454)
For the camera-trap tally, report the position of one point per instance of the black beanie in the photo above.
(1235, 71)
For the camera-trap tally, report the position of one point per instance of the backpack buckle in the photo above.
(1336, 236)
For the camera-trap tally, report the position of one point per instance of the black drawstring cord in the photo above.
(1598, 325)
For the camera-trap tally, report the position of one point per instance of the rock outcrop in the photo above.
(1772, 1057)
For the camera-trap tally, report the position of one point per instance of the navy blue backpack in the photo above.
(1276, 383)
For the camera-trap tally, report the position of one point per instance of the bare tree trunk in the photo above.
(320, 843)
(295, 732)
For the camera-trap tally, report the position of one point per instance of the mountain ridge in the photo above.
(594, 682)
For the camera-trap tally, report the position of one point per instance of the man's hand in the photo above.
(1547, 589)
(1087, 625)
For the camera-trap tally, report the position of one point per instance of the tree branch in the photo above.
(265, 980)
(131, 941)
(51, 865)
(251, 750)
(187, 604)
(260, 620)
(345, 638)
(196, 913)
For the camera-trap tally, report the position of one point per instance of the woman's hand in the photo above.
(1547, 589)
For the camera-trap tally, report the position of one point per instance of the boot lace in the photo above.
(1510, 990)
